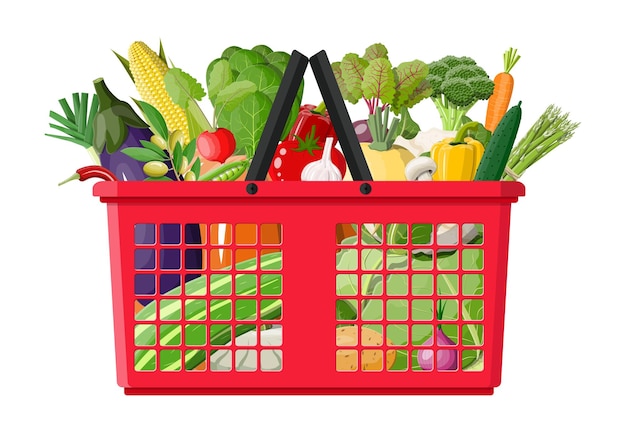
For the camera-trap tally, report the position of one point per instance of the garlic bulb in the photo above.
(323, 169)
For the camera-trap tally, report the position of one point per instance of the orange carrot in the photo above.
(498, 103)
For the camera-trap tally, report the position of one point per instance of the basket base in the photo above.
(309, 391)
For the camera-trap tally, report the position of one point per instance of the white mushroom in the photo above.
(420, 168)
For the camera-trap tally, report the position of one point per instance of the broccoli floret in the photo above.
(453, 61)
(482, 87)
(458, 92)
(465, 71)
(457, 83)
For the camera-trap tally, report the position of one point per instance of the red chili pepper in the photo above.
(91, 171)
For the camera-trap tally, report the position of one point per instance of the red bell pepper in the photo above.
(310, 121)
(309, 116)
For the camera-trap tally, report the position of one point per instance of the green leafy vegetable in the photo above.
(277, 57)
(185, 91)
(240, 60)
(379, 81)
(373, 79)
(408, 129)
(232, 95)
(353, 73)
(229, 51)
(242, 81)
(411, 87)
(182, 87)
(266, 79)
(264, 50)
(375, 51)
(248, 119)
(343, 85)
(218, 76)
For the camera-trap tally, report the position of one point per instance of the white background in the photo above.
(564, 356)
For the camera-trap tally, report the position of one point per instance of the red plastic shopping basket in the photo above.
(354, 287)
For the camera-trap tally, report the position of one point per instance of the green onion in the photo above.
(77, 125)
(550, 130)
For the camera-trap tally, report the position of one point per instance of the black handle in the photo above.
(279, 113)
(339, 117)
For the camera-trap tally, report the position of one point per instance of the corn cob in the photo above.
(148, 71)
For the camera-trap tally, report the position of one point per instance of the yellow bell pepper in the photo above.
(457, 158)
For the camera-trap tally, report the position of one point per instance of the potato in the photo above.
(371, 358)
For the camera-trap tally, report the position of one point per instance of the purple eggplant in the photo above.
(123, 166)
(179, 257)
(118, 126)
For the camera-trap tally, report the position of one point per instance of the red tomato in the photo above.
(292, 156)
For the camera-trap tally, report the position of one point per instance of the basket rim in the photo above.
(466, 190)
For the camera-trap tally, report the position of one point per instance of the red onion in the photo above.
(362, 131)
(447, 359)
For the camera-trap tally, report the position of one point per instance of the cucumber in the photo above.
(498, 150)
(220, 311)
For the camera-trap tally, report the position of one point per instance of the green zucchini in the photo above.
(220, 310)
(498, 150)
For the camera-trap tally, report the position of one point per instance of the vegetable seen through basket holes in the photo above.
(170, 258)
(220, 310)
(420, 308)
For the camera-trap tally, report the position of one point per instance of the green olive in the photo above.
(176, 137)
(155, 169)
(160, 142)
(190, 176)
(184, 165)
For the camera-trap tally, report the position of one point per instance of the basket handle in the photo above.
(281, 107)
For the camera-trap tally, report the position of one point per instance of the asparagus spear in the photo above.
(551, 129)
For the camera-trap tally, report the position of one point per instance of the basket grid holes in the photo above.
(401, 286)
(388, 289)
(203, 287)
